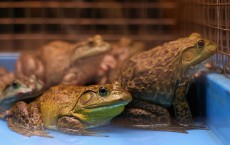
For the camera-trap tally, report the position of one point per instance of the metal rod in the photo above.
(90, 21)
(68, 4)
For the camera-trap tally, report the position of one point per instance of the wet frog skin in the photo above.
(70, 109)
(160, 78)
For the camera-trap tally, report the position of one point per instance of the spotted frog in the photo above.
(160, 78)
(70, 109)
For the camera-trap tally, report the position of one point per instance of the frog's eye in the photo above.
(103, 91)
(15, 85)
(91, 43)
(200, 43)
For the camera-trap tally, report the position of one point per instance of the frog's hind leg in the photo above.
(26, 119)
(143, 115)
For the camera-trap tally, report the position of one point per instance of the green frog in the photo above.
(70, 109)
(160, 78)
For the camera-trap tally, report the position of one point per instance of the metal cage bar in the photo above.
(39, 21)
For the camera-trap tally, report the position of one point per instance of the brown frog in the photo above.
(159, 78)
(12, 89)
(19, 90)
(70, 109)
(114, 61)
(62, 62)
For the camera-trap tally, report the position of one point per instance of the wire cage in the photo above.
(25, 23)
(29, 24)
(212, 19)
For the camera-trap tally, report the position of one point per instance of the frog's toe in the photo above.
(96, 133)
(194, 126)
(25, 131)
(82, 132)
(37, 133)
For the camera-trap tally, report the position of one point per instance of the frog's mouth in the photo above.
(108, 105)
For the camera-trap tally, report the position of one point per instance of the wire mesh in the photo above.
(31, 23)
(28, 24)
(212, 19)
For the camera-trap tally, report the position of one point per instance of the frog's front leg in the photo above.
(26, 119)
(72, 125)
(74, 76)
(181, 106)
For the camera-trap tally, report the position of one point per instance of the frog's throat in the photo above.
(100, 115)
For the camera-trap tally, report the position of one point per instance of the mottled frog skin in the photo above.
(161, 77)
(114, 61)
(70, 109)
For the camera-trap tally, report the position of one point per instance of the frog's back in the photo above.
(151, 75)
(57, 101)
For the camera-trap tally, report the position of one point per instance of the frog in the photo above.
(12, 89)
(159, 79)
(6, 78)
(68, 108)
(121, 51)
(61, 62)
(19, 90)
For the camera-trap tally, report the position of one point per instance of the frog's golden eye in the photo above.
(103, 91)
(200, 43)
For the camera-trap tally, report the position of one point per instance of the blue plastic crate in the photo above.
(214, 96)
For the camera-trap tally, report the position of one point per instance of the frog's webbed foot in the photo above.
(25, 131)
(140, 114)
(26, 119)
(71, 125)
(190, 126)
(174, 127)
